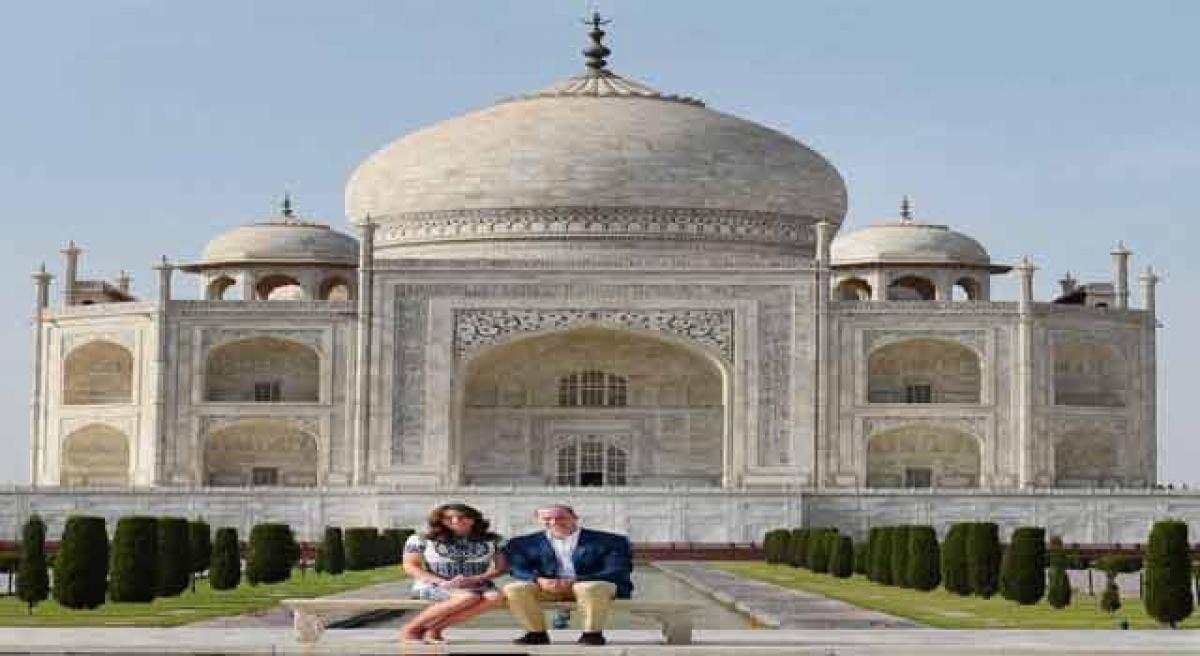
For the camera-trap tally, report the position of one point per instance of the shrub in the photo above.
(770, 545)
(983, 558)
(272, 552)
(873, 536)
(924, 571)
(841, 563)
(899, 557)
(81, 564)
(331, 555)
(881, 556)
(393, 544)
(1058, 586)
(954, 560)
(1168, 596)
(199, 548)
(1025, 575)
(33, 579)
(360, 548)
(174, 558)
(798, 547)
(1110, 600)
(819, 549)
(861, 558)
(225, 571)
(134, 571)
(1119, 564)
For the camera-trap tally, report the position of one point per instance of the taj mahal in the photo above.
(604, 294)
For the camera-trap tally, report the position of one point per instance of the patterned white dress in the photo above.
(454, 557)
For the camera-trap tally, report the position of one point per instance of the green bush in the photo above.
(393, 544)
(81, 564)
(983, 558)
(924, 570)
(1025, 573)
(797, 555)
(225, 572)
(819, 548)
(1110, 600)
(1058, 585)
(899, 556)
(134, 570)
(360, 548)
(271, 553)
(954, 560)
(199, 547)
(861, 558)
(841, 563)
(331, 555)
(770, 545)
(33, 579)
(174, 558)
(1168, 597)
(873, 535)
(881, 556)
(1119, 563)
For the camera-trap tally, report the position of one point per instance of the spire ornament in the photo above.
(596, 52)
(285, 209)
(906, 215)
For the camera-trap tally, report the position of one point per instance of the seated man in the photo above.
(566, 562)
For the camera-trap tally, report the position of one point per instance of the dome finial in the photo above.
(596, 52)
(285, 209)
(906, 209)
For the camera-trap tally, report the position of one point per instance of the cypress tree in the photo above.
(360, 543)
(225, 572)
(872, 549)
(33, 578)
(841, 563)
(272, 553)
(1058, 586)
(861, 556)
(954, 560)
(769, 547)
(899, 557)
(1110, 599)
(199, 548)
(881, 556)
(818, 550)
(134, 560)
(174, 558)
(81, 564)
(393, 541)
(1025, 575)
(1168, 597)
(924, 572)
(331, 555)
(983, 558)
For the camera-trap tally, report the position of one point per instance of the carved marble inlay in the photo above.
(476, 328)
(675, 223)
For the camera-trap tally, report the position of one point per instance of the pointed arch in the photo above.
(98, 372)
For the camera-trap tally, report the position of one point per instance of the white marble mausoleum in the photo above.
(605, 294)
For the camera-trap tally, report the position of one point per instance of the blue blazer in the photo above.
(599, 556)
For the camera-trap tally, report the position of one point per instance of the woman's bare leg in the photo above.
(433, 615)
(489, 601)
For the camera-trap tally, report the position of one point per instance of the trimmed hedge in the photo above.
(899, 556)
(81, 564)
(924, 570)
(841, 563)
(174, 557)
(881, 556)
(271, 554)
(798, 547)
(983, 558)
(393, 544)
(819, 548)
(1024, 577)
(225, 571)
(331, 555)
(360, 547)
(33, 577)
(774, 542)
(1168, 597)
(861, 558)
(1058, 586)
(954, 560)
(134, 572)
(199, 547)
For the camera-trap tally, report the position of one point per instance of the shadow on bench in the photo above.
(310, 615)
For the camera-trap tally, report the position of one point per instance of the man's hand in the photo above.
(555, 585)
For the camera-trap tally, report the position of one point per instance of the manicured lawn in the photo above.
(205, 603)
(944, 610)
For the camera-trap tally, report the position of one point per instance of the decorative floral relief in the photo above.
(476, 328)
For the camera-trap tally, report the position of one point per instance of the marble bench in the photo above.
(310, 615)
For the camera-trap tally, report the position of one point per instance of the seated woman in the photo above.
(453, 564)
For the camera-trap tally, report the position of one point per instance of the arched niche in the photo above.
(221, 288)
(923, 370)
(923, 456)
(335, 288)
(1087, 373)
(967, 288)
(98, 372)
(1085, 459)
(260, 452)
(262, 370)
(911, 288)
(278, 287)
(95, 455)
(853, 289)
(659, 405)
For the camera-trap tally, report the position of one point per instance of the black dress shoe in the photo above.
(592, 638)
(534, 638)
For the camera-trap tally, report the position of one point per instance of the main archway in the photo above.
(260, 452)
(592, 407)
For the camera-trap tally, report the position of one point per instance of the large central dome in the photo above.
(594, 159)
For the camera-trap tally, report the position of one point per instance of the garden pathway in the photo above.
(780, 607)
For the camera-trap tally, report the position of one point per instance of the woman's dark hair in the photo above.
(438, 532)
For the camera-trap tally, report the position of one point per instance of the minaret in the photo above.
(41, 286)
(1120, 259)
(362, 364)
(1149, 281)
(71, 273)
(1025, 375)
(123, 281)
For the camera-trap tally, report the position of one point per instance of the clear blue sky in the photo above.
(1053, 129)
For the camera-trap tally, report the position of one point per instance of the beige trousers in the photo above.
(594, 599)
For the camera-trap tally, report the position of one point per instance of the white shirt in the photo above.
(564, 548)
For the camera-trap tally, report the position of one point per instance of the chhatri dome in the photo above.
(910, 242)
(595, 156)
(284, 239)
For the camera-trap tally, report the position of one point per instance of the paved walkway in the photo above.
(779, 607)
